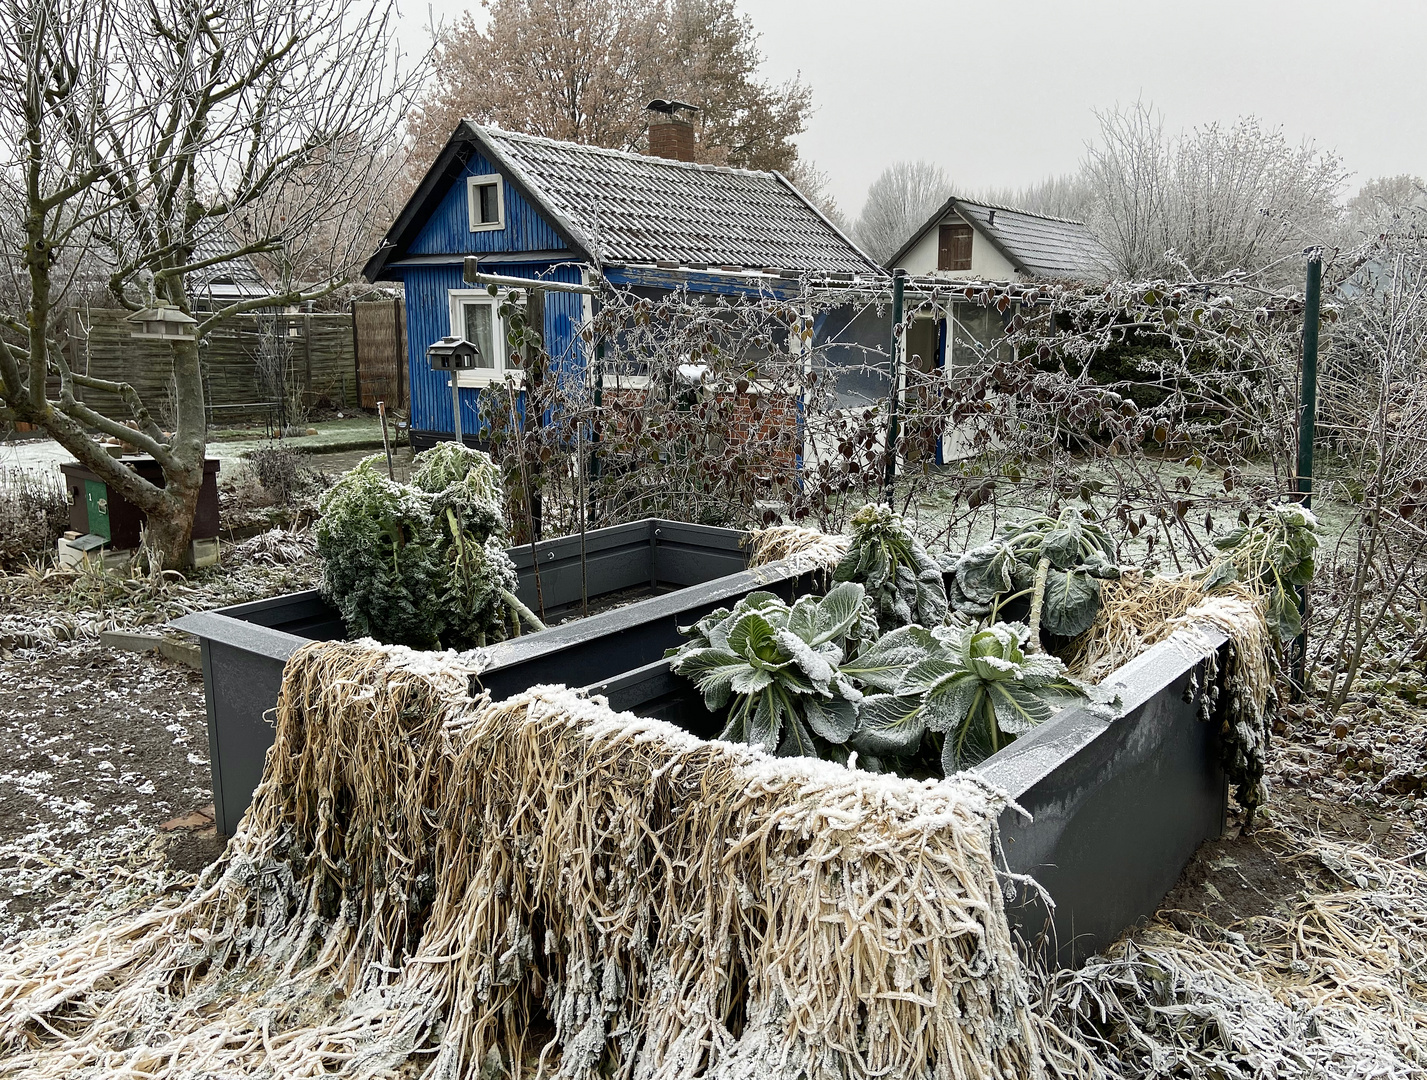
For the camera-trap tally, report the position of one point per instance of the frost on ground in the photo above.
(99, 747)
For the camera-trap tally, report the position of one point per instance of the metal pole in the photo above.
(899, 282)
(456, 407)
(1307, 412)
(1308, 398)
(386, 443)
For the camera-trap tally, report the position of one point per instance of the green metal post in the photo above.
(1307, 412)
(899, 281)
(1308, 398)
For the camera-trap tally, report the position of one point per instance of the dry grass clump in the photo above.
(1335, 988)
(1136, 613)
(446, 889)
(808, 548)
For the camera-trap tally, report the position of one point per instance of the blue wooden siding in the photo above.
(428, 318)
(448, 230)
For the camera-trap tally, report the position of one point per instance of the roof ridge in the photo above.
(1017, 210)
(496, 132)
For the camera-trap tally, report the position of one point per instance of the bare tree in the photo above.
(1209, 201)
(1383, 206)
(144, 144)
(898, 201)
(583, 70)
(1067, 196)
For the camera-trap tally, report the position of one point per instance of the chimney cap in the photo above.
(668, 108)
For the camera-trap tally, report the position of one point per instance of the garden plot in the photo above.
(98, 748)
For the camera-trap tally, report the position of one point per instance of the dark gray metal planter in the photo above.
(1118, 805)
(701, 567)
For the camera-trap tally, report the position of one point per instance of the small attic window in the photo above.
(485, 195)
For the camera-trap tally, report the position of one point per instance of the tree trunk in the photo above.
(167, 534)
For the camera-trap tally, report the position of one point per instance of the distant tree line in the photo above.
(1197, 204)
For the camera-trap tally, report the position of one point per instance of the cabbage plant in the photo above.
(1073, 554)
(1275, 551)
(967, 692)
(777, 670)
(903, 582)
(420, 564)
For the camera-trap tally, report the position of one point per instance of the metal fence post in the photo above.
(1307, 413)
(899, 279)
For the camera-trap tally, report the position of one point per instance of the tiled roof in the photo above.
(1040, 247)
(1043, 247)
(627, 208)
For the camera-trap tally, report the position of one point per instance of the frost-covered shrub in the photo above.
(420, 564)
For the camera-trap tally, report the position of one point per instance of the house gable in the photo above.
(447, 228)
(987, 262)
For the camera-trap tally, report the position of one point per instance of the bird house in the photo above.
(163, 322)
(453, 354)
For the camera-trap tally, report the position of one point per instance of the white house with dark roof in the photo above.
(536, 208)
(978, 241)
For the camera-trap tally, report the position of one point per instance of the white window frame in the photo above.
(473, 211)
(459, 298)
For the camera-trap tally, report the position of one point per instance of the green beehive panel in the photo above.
(96, 504)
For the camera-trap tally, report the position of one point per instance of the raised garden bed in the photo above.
(683, 570)
(1118, 805)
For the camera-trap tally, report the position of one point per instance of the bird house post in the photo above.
(453, 354)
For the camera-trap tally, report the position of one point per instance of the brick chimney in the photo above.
(671, 132)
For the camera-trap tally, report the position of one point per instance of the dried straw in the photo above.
(807, 548)
(1137, 613)
(445, 889)
(1336, 987)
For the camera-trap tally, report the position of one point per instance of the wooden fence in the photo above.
(317, 353)
(381, 353)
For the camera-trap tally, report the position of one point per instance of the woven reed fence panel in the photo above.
(381, 352)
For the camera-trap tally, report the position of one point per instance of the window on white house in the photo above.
(485, 197)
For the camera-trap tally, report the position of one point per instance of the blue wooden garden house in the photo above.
(534, 208)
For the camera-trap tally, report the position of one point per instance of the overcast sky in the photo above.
(1003, 94)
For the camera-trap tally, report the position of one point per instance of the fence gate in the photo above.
(379, 330)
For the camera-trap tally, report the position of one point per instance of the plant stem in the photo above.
(521, 610)
(1037, 601)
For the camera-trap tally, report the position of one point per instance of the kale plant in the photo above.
(422, 564)
(968, 692)
(1058, 562)
(903, 582)
(777, 670)
(1274, 551)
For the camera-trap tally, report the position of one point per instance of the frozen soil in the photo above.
(98, 749)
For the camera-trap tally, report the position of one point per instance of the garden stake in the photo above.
(386, 443)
